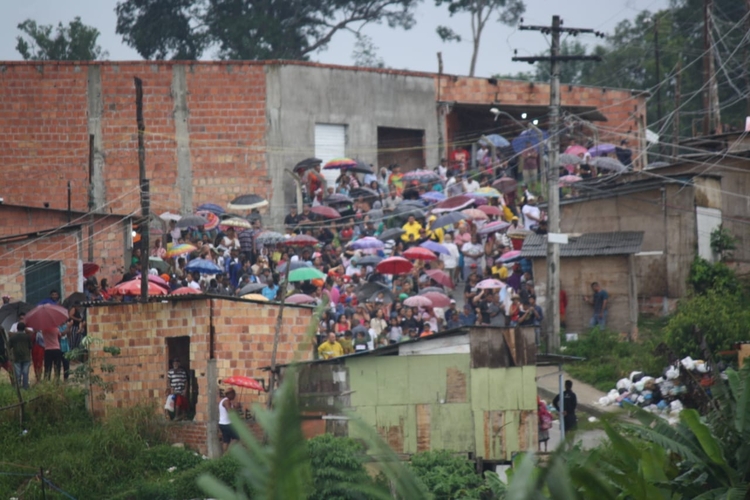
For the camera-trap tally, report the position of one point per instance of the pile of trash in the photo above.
(662, 396)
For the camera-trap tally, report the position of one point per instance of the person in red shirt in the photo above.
(563, 306)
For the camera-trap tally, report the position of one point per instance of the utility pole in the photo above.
(677, 100)
(712, 117)
(143, 181)
(747, 54)
(658, 70)
(553, 168)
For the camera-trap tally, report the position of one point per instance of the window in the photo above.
(41, 277)
(330, 143)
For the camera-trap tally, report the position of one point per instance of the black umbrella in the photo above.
(248, 202)
(251, 288)
(361, 168)
(364, 192)
(370, 260)
(9, 313)
(367, 290)
(337, 198)
(405, 211)
(306, 164)
(295, 265)
(391, 234)
(447, 220)
(192, 221)
(73, 299)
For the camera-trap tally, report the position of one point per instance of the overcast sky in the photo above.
(414, 49)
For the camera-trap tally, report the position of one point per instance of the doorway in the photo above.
(402, 146)
(179, 348)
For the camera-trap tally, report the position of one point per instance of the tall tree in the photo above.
(249, 29)
(75, 42)
(480, 11)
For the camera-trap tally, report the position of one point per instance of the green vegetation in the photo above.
(448, 476)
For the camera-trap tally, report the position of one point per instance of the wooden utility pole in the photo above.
(277, 335)
(677, 100)
(747, 54)
(658, 70)
(712, 117)
(145, 197)
(553, 169)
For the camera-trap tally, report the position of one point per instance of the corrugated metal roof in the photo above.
(587, 245)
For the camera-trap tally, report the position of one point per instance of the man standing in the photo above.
(291, 220)
(533, 316)
(531, 213)
(568, 410)
(52, 353)
(177, 378)
(470, 185)
(228, 434)
(330, 348)
(20, 345)
(599, 301)
(54, 298)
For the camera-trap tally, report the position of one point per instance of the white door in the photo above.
(330, 143)
(707, 220)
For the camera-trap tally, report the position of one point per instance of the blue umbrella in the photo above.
(435, 247)
(203, 266)
(528, 139)
(211, 207)
(365, 243)
(447, 220)
(433, 196)
(497, 140)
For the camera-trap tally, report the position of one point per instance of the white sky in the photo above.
(414, 49)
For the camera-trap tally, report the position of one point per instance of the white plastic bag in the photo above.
(169, 405)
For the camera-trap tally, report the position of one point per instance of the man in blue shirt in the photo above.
(271, 289)
(468, 317)
(600, 301)
(54, 298)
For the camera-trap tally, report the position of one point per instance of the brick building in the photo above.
(213, 337)
(218, 129)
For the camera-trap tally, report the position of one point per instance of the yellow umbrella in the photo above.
(255, 296)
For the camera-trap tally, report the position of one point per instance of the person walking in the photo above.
(568, 410)
(600, 301)
(177, 378)
(228, 434)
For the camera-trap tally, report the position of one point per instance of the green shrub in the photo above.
(705, 276)
(163, 457)
(447, 476)
(336, 467)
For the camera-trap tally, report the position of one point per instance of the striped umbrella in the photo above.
(178, 250)
(212, 218)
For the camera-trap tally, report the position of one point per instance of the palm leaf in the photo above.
(559, 481)
(711, 447)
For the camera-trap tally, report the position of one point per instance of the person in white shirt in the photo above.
(470, 185)
(453, 187)
(228, 434)
(531, 213)
(450, 260)
(442, 170)
(193, 283)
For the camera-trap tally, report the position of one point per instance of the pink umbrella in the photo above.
(418, 301)
(493, 227)
(185, 290)
(46, 317)
(567, 180)
(327, 212)
(490, 283)
(474, 214)
(453, 203)
(299, 298)
(158, 280)
(438, 299)
(509, 256)
(441, 277)
(420, 253)
(133, 287)
(505, 184)
(490, 210)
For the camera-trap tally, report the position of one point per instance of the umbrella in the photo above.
(133, 287)
(9, 313)
(509, 256)
(435, 247)
(212, 218)
(405, 210)
(418, 301)
(159, 281)
(494, 139)
(269, 238)
(490, 210)
(440, 277)
(210, 207)
(372, 289)
(490, 283)
(359, 329)
(305, 274)
(569, 160)
(192, 221)
(438, 299)
(605, 163)
(297, 264)
(90, 269)
(46, 317)
(253, 217)
(602, 149)
(364, 192)
(494, 227)
(575, 150)
(251, 288)
(366, 242)
(381, 297)
(474, 214)
(73, 299)
(237, 222)
(376, 215)
(505, 184)
(370, 260)
(158, 264)
(168, 216)
(340, 163)
(453, 203)
(248, 202)
(256, 296)
(302, 240)
(299, 298)
(426, 290)
(246, 382)
(421, 176)
(177, 250)
(306, 164)
(420, 253)
(203, 266)
(447, 220)
(327, 212)
(566, 180)
(478, 199)
(488, 192)
(433, 196)
(336, 198)
(391, 234)
(394, 265)
(185, 290)
(529, 138)
(360, 168)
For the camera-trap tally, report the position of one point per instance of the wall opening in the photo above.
(402, 146)
(330, 143)
(179, 348)
(41, 277)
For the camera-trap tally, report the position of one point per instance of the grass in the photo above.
(608, 358)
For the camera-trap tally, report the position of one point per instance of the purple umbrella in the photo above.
(602, 149)
(366, 242)
(478, 199)
(494, 227)
(433, 196)
(435, 247)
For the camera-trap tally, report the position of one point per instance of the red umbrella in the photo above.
(440, 277)
(90, 269)
(46, 317)
(158, 280)
(418, 301)
(299, 298)
(394, 265)
(453, 203)
(301, 240)
(438, 299)
(327, 212)
(490, 210)
(185, 290)
(246, 382)
(505, 184)
(420, 253)
(133, 287)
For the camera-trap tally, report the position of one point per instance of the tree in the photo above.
(249, 29)
(365, 53)
(76, 42)
(508, 12)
